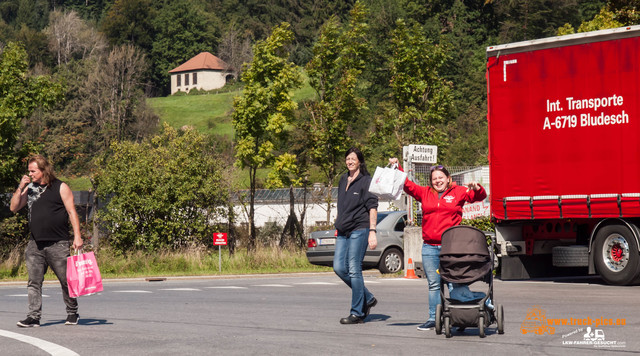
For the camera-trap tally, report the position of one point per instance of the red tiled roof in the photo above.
(204, 60)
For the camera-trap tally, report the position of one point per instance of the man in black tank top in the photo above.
(51, 208)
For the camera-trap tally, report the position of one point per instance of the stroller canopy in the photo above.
(465, 255)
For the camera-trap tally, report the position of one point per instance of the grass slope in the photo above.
(208, 113)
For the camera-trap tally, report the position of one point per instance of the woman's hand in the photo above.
(473, 185)
(373, 241)
(393, 160)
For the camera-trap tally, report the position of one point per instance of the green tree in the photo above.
(165, 192)
(182, 30)
(603, 20)
(421, 98)
(265, 107)
(340, 57)
(130, 22)
(20, 95)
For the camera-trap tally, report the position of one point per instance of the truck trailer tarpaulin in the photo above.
(564, 153)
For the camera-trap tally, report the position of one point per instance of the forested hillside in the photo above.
(421, 78)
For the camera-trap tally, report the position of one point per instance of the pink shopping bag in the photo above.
(83, 275)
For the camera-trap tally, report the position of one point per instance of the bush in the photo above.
(483, 223)
(166, 192)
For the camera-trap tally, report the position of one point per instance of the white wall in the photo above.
(207, 80)
(280, 212)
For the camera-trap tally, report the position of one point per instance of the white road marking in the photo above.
(131, 291)
(183, 289)
(227, 287)
(273, 285)
(25, 295)
(46, 346)
(319, 283)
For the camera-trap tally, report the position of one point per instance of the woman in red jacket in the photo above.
(442, 205)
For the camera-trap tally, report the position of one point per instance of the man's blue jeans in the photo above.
(39, 257)
(431, 263)
(347, 263)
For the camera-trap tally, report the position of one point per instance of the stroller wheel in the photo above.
(500, 318)
(438, 319)
(447, 327)
(481, 326)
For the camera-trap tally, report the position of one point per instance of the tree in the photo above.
(130, 22)
(182, 31)
(20, 95)
(421, 98)
(116, 92)
(165, 192)
(287, 172)
(235, 50)
(265, 107)
(69, 36)
(340, 57)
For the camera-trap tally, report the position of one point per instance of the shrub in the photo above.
(166, 192)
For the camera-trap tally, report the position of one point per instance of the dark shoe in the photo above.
(367, 308)
(352, 319)
(429, 325)
(72, 319)
(461, 329)
(29, 322)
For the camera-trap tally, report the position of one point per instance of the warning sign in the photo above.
(219, 238)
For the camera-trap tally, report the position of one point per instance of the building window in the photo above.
(186, 79)
(178, 80)
(195, 78)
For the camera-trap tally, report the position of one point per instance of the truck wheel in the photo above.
(570, 256)
(391, 261)
(616, 255)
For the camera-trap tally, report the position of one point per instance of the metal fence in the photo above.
(420, 174)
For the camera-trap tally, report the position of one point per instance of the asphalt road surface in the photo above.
(299, 315)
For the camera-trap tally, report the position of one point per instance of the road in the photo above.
(299, 314)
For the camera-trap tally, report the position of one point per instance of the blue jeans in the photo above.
(347, 263)
(38, 257)
(431, 263)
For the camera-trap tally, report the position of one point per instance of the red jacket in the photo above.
(440, 214)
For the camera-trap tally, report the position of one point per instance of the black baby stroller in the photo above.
(466, 258)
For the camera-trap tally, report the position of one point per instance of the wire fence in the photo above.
(420, 173)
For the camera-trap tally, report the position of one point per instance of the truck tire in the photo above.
(391, 261)
(616, 256)
(570, 256)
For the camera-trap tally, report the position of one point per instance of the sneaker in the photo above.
(29, 322)
(367, 308)
(352, 319)
(429, 325)
(72, 319)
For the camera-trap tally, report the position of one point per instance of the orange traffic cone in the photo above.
(411, 273)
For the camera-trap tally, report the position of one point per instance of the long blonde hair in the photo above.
(47, 170)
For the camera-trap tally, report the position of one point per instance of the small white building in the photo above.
(204, 71)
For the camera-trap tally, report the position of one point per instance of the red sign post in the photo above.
(219, 239)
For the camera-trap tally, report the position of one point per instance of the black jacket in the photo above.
(354, 204)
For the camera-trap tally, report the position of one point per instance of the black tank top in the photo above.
(48, 218)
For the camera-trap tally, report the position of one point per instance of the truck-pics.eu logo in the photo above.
(591, 331)
(536, 322)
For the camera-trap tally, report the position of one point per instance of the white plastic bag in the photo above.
(387, 183)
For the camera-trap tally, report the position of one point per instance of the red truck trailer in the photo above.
(564, 153)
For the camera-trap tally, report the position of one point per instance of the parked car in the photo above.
(388, 256)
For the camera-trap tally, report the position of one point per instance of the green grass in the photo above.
(195, 262)
(77, 183)
(208, 113)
